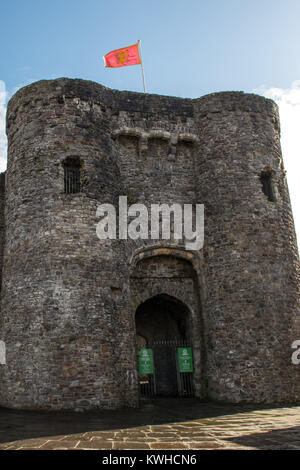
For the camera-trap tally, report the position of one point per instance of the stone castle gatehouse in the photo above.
(76, 310)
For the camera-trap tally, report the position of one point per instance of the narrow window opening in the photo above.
(72, 176)
(267, 185)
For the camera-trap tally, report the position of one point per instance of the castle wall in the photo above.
(2, 222)
(250, 254)
(62, 325)
(69, 299)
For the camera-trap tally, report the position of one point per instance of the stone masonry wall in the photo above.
(250, 253)
(2, 222)
(69, 299)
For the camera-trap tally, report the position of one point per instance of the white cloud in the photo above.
(3, 140)
(4, 97)
(288, 100)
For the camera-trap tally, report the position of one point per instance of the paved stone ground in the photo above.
(160, 424)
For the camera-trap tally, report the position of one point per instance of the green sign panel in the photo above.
(145, 361)
(185, 360)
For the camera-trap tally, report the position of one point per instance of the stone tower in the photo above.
(74, 307)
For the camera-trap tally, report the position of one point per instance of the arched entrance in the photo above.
(163, 328)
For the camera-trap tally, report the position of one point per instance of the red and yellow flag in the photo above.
(122, 57)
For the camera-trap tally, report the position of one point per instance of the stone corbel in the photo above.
(172, 147)
(143, 144)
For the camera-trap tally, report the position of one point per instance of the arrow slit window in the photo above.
(267, 185)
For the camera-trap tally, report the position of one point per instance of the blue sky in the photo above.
(190, 48)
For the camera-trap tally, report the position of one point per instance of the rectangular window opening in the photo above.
(267, 186)
(72, 179)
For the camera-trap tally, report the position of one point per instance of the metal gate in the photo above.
(163, 372)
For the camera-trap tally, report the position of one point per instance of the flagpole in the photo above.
(140, 51)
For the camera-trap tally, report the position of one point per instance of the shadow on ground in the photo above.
(18, 425)
(283, 439)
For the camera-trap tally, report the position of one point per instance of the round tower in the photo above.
(250, 251)
(66, 326)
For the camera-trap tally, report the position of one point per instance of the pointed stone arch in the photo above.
(169, 276)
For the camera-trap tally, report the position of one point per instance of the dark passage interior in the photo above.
(162, 324)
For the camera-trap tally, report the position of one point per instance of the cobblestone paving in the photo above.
(161, 424)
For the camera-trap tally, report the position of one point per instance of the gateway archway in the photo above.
(165, 350)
